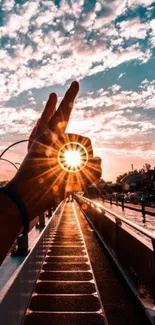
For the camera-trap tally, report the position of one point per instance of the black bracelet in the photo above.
(19, 202)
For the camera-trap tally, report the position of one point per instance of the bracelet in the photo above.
(22, 209)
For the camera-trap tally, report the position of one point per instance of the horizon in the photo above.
(109, 48)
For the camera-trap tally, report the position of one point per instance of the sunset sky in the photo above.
(109, 47)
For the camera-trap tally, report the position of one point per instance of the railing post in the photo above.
(116, 199)
(110, 199)
(118, 225)
(49, 213)
(41, 223)
(153, 279)
(22, 248)
(123, 202)
(143, 209)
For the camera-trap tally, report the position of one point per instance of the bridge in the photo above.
(87, 262)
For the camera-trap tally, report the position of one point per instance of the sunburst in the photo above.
(72, 157)
(68, 160)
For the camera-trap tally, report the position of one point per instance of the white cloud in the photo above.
(19, 22)
(56, 68)
(112, 116)
(15, 120)
(65, 43)
(121, 75)
(152, 35)
(8, 5)
(136, 3)
(133, 29)
(119, 99)
(62, 57)
(115, 88)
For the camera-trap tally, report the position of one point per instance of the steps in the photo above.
(66, 292)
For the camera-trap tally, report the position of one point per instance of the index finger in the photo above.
(61, 117)
(49, 109)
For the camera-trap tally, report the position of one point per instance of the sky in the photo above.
(109, 47)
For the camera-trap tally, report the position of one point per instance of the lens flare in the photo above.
(73, 157)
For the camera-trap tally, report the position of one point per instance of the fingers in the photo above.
(97, 170)
(49, 109)
(61, 117)
(94, 171)
(97, 161)
(47, 114)
(52, 121)
(32, 136)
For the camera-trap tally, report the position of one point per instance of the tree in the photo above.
(147, 167)
(120, 177)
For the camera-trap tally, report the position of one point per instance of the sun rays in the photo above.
(69, 160)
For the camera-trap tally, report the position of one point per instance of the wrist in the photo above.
(35, 196)
(11, 224)
(10, 210)
(23, 192)
(21, 206)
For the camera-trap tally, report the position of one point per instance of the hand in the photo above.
(36, 182)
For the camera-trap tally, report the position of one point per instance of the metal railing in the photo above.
(132, 224)
(21, 245)
(142, 207)
(132, 251)
(18, 275)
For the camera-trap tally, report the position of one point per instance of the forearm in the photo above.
(10, 216)
(10, 224)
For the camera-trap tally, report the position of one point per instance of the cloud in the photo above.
(20, 22)
(129, 146)
(117, 99)
(48, 45)
(8, 5)
(152, 34)
(18, 121)
(132, 28)
(121, 75)
(117, 117)
(135, 3)
(45, 45)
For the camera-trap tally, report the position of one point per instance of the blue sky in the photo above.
(109, 47)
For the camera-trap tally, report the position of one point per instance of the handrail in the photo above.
(18, 276)
(145, 232)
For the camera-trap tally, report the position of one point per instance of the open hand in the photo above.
(39, 183)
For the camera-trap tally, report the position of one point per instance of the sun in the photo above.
(72, 158)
